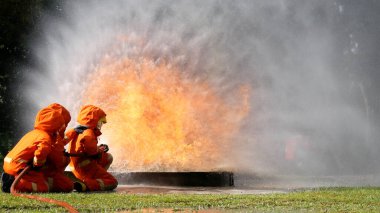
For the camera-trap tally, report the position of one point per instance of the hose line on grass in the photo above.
(65, 205)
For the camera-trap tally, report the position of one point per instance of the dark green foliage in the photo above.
(6, 142)
(19, 21)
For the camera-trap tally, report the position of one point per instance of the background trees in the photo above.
(19, 22)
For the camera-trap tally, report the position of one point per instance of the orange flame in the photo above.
(160, 119)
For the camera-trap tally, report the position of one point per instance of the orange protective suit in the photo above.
(56, 160)
(34, 147)
(91, 168)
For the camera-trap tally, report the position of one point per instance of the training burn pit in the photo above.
(191, 179)
(162, 118)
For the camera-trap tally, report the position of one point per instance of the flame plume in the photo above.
(159, 119)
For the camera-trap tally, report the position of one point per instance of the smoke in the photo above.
(311, 110)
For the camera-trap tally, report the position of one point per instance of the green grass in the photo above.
(318, 200)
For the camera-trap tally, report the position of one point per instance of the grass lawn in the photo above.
(365, 199)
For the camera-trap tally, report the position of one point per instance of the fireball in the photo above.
(162, 119)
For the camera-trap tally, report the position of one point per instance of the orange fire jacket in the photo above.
(86, 143)
(35, 145)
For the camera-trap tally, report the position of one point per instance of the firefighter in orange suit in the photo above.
(33, 149)
(57, 160)
(89, 162)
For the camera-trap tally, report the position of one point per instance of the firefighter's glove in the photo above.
(104, 147)
(80, 129)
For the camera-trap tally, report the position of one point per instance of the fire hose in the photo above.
(63, 204)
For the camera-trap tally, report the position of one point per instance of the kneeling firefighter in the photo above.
(58, 159)
(89, 162)
(32, 149)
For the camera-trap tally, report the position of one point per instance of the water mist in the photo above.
(307, 111)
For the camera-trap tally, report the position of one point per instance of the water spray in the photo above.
(211, 86)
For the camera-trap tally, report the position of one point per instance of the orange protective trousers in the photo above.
(54, 172)
(93, 173)
(32, 181)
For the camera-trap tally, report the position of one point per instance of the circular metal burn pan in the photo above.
(212, 179)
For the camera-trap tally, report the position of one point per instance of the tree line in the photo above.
(19, 23)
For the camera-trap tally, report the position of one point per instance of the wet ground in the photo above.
(294, 182)
(248, 184)
(144, 189)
